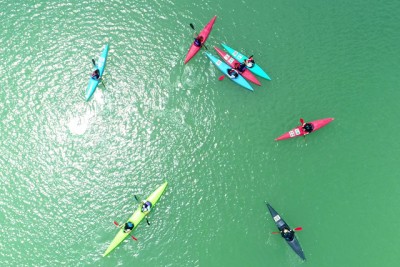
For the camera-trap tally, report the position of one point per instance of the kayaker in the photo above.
(198, 41)
(128, 227)
(249, 62)
(96, 74)
(308, 127)
(146, 206)
(233, 74)
(240, 67)
(287, 234)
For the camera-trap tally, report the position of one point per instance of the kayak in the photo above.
(233, 63)
(241, 58)
(224, 68)
(205, 32)
(101, 65)
(281, 224)
(136, 218)
(299, 131)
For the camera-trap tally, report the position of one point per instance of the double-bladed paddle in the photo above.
(295, 229)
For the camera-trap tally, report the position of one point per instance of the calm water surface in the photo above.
(69, 168)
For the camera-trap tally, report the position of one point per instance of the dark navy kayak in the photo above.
(281, 224)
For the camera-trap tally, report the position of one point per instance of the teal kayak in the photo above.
(101, 65)
(222, 66)
(241, 58)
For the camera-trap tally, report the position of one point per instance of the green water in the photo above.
(69, 168)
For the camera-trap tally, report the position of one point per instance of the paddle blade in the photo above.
(221, 77)
(274, 233)
(94, 62)
(136, 198)
(298, 229)
(191, 26)
(134, 238)
(116, 224)
(301, 121)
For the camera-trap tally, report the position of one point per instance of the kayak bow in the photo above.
(136, 218)
(281, 224)
(299, 131)
(101, 65)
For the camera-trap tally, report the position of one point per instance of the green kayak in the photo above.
(136, 218)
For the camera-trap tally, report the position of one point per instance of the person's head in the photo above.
(285, 230)
(129, 224)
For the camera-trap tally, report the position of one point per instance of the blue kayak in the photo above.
(222, 66)
(101, 65)
(241, 58)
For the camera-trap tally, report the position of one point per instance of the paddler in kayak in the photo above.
(128, 227)
(249, 62)
(198, 41)
(240, 67)
(96, 74)
(287, 234)
(233, 74)
(307, 127)
(146, 206)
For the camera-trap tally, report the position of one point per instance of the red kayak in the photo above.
(299, 131)
(233, 63)
(205, 32)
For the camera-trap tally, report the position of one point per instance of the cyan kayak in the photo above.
(241, 58)
(101, 65)
(222, 66)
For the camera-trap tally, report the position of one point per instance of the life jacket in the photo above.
(146, 206)
(197, 42)
(96, 74)
(242, 67)
(233, 72)
(308, 127)
(129, 226)
(250, 62)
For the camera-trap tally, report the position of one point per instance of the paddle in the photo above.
(191, 26)
(295, 229)
(221, 77)
(101, 78)
(301, 121)
(147, 220)
(119, 226)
